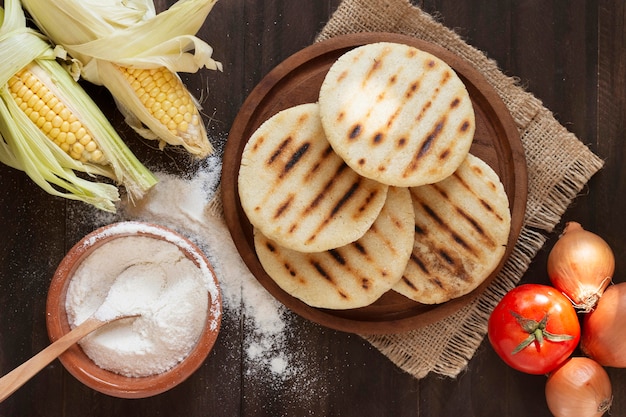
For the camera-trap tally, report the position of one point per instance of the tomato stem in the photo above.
(536, 332)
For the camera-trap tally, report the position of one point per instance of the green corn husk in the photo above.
(108, 34)
(25, 147)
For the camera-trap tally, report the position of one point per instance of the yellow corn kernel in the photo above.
(166, 99)
(53, 118)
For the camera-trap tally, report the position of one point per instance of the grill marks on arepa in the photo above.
(461, 228)
(350, 276)
(397, 114)
(297, 191)
(342, 187)
(374, 188)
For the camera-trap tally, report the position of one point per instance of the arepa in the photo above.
(397, 114)
(297, 191)
(462, 225)
(351, 276)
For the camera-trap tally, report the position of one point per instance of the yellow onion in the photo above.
(603, 333)
(581, 266)
(579, 388)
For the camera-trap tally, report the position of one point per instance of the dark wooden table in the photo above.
(570, 54)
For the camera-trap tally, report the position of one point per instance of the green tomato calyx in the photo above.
(537, 332)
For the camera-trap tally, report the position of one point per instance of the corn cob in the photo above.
(163, 44)
(53, 117)
(170, 106)
(52, 130)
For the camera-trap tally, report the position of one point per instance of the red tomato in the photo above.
(534, 328)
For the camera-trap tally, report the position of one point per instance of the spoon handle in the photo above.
(18, 377)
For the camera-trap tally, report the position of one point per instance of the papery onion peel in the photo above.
(581, 266)
(579, 388)
(603, 334)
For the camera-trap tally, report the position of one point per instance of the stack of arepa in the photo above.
(373, 188)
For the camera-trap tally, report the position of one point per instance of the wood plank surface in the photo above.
(570, 54)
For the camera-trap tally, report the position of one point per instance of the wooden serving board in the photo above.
(296, 81)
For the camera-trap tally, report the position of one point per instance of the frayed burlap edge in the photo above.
(559, 166)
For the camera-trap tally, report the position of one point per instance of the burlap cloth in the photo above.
(559, 165)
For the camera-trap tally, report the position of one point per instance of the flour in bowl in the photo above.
(146, 276)
(186, 204)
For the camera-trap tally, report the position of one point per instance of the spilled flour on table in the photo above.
(186, 205)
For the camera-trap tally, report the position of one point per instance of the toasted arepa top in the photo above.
(397, 114)
(354, 275)
(462, 226)
(297, 191)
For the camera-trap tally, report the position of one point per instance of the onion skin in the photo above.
(579, 388)
(581, 265)
(604, 329)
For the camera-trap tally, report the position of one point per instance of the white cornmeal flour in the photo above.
(152, 278)
(184, 204)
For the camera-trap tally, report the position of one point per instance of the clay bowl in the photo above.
(79, 364)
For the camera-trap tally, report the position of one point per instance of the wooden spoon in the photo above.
(108, 312)
(20, 375)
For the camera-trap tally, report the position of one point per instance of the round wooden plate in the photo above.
(296, 81)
